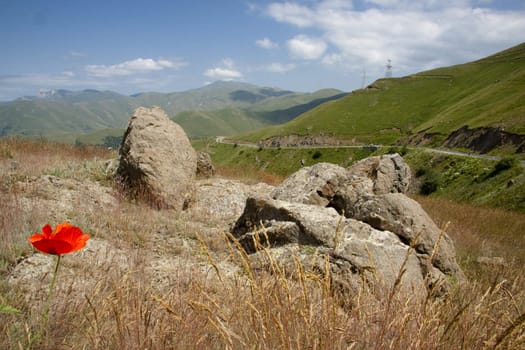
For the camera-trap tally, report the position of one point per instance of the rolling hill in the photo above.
(221, 108)
(486, 95)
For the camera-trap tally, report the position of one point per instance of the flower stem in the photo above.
(48, 301)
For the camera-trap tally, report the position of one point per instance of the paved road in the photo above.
(222, 139)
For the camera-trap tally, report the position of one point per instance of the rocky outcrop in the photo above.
(384, 241)
(380, 223)
(331, 185)
(157, 162)
(403, 216)
(484, 139)
(360, 256)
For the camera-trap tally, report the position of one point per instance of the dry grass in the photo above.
(480, 232)
(248, 308)
(248, 175)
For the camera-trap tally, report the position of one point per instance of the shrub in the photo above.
(317, 154)
(430, 183)
(420, 172)
(504, 164)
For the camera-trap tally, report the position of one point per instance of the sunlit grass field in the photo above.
(212, 308)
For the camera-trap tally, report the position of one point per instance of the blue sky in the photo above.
(304, 45)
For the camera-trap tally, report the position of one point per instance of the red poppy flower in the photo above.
(65, 239)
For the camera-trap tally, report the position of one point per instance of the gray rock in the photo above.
(382, 232)
(372, 176)
(315, 184)
(331, 185)
(223, 200)
(205, 166)
(357, 252)
(403, 216)
(389, 173)
(157, 161)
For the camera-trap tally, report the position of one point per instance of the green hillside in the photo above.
(226, 121)
(486, 93)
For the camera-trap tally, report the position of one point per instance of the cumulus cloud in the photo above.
(225, 71)
(138, 65)
(306, 48)
(266, 44)
(416, 35)
(296, 14)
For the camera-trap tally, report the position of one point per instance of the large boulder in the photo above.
(360, 256)
(406, 218)
(315, 184)
(389, 173)
(380, 222)
(331, 185)
(157, 162)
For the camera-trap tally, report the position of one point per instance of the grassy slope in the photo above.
(49, 117)
(488, 92)
(460, 179)
(226, 121)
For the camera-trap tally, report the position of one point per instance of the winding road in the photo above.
(224, 140)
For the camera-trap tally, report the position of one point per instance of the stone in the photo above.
(205, 166)
(331, 185)
(381, 232)
(389, 173)
(406, 218)
(223, 200)
(315, 184)
(157, 162)
(357, 252)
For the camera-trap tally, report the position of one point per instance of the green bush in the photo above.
(317, 154)
(430, 184)
(504, 164)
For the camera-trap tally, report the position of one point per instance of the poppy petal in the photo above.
(67, 232)
(80, 242)
(47, 231)
(52, 246)
(36, 237)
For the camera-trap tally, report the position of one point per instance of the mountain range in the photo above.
(220, 108)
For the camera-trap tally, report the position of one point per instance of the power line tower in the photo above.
(363, 81)
(388, 73)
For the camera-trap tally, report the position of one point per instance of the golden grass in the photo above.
(280, 307)
(480, 231)
(248, 175)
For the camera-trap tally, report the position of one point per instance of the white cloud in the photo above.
(138, 65)
(277, 67)
(296, 14)
(226, 71)
(416, 35)
(306, 48)
(267, 44)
